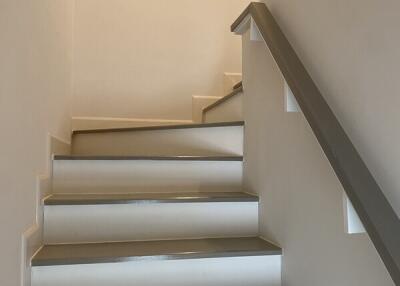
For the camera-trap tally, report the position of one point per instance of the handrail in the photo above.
(377, 215)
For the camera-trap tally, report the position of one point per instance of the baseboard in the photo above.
(199, 102)
(230, 79)
(32, 239)
(81, 123)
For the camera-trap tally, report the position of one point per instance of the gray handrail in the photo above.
(379, 219)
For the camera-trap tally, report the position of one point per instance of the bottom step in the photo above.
(206, 262)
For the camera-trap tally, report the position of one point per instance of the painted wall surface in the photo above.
(301, 205)
(350, 51)
(35, 88)
(145, 59)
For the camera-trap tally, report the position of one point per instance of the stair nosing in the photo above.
(268, 249)
(179, 256)
(160, 127)
(146, 158)
(82, 199)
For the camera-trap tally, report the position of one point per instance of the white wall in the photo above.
(35, 87)
(145, 59)
(351, 53)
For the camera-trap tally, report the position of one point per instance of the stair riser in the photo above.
(229, 110)
(97, 176)
(127, 222)
(193, 141)
(237, 271)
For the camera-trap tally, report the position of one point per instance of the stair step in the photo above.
(224, 138)
(129, 174)
(70, 254)
(228, 261)
(160, 127)
(80, 218)
(140, 198)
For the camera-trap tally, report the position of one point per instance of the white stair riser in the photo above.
(98, 176)
(238, 271)
(193, 141)
(128, 222)
(229, 110)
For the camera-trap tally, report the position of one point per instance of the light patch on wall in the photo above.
(249, 23)
(352, 221)
(291, 104)
(255, 34)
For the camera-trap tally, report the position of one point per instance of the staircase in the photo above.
(160, 205)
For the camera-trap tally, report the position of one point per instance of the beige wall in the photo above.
(35, 84)
(300, 196)
(350, 50)
(352, 53)
(145, 59)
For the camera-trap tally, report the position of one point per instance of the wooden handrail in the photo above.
(377, 215)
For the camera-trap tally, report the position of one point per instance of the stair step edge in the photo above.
(141, 198)
(70, 254)
(148, 158)
(160, 127)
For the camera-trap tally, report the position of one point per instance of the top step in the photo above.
(147, 158)
(211, 139)
(160, 127)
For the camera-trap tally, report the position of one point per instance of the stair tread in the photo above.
(132, 198)
(154, 158)
(68, 254)
(160, 127)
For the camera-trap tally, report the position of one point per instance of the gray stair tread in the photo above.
(67, 254)
(160, 127)
(223, 99)
(153, 158)
(132, 198)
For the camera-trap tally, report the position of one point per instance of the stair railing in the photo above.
(377, 215)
